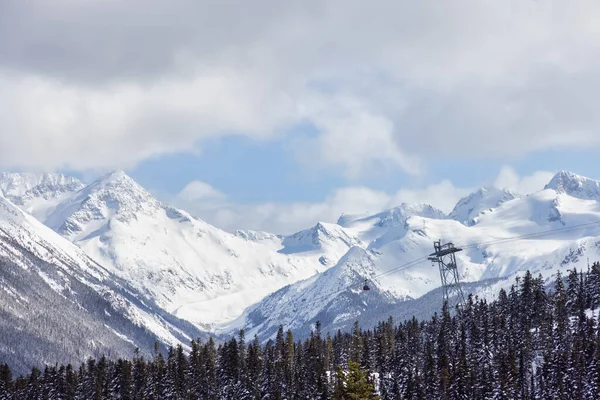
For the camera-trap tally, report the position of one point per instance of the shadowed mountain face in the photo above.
(57, 305)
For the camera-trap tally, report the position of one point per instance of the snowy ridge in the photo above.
(274, 242)
(329, 241)
(399, 215)
(575, 185)
(484, 200)
(42, 242)
(192, 269)
(307, 301)
(387, 225)
(347, 219)
(412, 237)
(37, 194)
(391, 218)
(114, 196)
(43, 272)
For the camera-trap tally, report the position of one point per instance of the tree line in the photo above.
(531, 342)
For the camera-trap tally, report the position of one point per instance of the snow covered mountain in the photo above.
(58, 305)
(334, 297)
(499, 235)
(221, 281)
(385, 226)
(484, 200)
(327, 241)
(194, 270)
(37, 194)
(575, 186)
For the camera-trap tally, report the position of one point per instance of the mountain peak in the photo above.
(356, 256)
(397, 216)
(116, 176)
(121, 186)
(114, 195)
(23, 187)
(318, 238)
(575, 185)
(347, 218)
(357, 264)
(392, 217)
(482, 200)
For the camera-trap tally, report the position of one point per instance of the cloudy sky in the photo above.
(274, 114)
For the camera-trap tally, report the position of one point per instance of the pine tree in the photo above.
(300, 373)
(356, 350)
(181, 373)
(289, 356)
(572, 290)
(268, 382)
(243, 379)
(122, 380)
(6, 384)
(70, 383)
(279, 367)
(354, 385)
(156, 387)
(255, 366)
(593, 286)
(34, 385)
(560, 339)
(209, 355)
(139, 376)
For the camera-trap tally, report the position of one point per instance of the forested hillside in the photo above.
(529, 343)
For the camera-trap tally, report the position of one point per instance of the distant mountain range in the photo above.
(398, 236)
(113, 264)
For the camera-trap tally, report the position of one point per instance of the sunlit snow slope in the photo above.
(37, 194)
(194, 270)
(491, 220)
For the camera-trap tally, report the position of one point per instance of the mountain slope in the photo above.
(37, 194)
(501, 244)
(57, 305)
(194, 270)
(335, 297)
(575, 186)
(327, 241)
(375, 230)
(484, 200)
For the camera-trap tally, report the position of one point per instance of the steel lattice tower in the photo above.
(445, 257)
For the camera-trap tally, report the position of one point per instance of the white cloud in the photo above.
(47, 125)
(291, 217)
(353, 137)
(509, 178)
(200, 191)
(213, 206)
(99, 84)
(444, 195)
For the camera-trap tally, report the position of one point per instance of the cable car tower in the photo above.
(445, 257)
